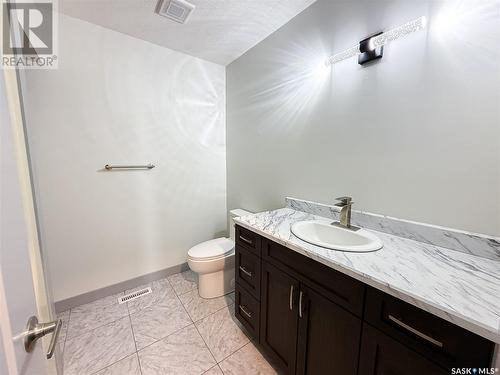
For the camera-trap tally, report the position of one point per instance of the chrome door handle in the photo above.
(35, 330)
(291, 297)
(415, 331)
(244, 311)
(246, 240)
(245, 271)
(53, 340)
(300, 303)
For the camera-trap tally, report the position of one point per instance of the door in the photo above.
(381, 355)
(23, 291)
(329, 336)
(279, 317)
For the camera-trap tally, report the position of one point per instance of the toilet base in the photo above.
(216, 284)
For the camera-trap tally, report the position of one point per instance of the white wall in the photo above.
(116, 99)
(416, 135)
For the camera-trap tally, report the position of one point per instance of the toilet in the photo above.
(213, 261)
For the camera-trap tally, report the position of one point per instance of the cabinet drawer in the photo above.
(247, 311)
(435, 338)
(381, 355)
(248, 239)
(248, 271)
(339, 288)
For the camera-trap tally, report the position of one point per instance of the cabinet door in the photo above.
(279, 316)
(329, 336)
(381, 355)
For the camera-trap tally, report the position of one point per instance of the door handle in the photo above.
(245, 271)
(291, 298)
(35, 330)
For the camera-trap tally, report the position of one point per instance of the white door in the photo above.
(23, 291)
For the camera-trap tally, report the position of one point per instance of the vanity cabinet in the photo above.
(313, 320)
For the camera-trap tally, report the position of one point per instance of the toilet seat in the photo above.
(212, 249)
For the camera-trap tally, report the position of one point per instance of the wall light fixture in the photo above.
(371, 48)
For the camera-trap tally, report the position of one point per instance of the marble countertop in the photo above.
(461, 288)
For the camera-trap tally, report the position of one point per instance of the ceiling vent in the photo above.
(177, 10)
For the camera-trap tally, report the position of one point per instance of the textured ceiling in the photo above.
(218, 30)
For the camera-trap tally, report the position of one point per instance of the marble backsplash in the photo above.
(469, 243)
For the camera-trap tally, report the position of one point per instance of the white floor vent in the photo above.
(134, 295)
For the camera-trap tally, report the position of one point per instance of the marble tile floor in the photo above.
(170, 331)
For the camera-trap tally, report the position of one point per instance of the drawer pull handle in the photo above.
(291, 297)
(415, 331)
(244, 239)
(245, 271)
(245, 311)
(300, 304)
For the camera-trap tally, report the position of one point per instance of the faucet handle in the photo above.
(344, 200)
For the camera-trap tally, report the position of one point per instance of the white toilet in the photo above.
(213, 261)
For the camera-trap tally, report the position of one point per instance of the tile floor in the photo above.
(169, 331)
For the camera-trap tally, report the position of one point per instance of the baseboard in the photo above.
(81, 299)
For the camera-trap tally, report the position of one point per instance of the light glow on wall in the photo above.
(286, 96)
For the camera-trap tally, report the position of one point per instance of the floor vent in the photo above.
(134, 295)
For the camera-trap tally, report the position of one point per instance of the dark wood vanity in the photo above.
(311, 319)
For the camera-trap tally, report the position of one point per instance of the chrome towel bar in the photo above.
(110, 167)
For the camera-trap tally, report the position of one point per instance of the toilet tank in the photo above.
(235, 213)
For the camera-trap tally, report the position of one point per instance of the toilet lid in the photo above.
(212, 249)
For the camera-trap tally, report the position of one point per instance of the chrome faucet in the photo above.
(345, 205)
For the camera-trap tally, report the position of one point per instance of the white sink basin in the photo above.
(324, 234)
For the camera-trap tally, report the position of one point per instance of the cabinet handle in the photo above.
(250, 242)
(300, 304)
(415, 331)
(245, 311)
(291, 297)
(245, 271)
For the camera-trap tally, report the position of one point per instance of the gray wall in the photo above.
(415, 135)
